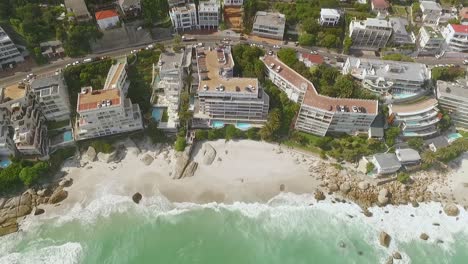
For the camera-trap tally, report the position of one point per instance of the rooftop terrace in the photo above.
(14, 91)
(415, 108)
(90, 99)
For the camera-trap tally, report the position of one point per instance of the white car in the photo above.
(465, 62)
(313, 52)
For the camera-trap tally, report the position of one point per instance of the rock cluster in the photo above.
(384, 239)
(181, 163)
(451, 209)
(209, 154)
(137, 197)
(147, 159)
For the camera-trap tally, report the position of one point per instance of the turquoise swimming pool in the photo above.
(243, 126)
(402, 96)
(67, 136)
(217, 124)
(5, 163)
(453, 136)
(157, 113)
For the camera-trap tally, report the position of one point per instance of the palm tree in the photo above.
(429, 157)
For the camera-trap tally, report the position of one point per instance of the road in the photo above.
(431, 61)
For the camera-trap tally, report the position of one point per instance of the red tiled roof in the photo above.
(311, 97)
(380, 4)
(460, 28)
(314, 58)
(105, 14)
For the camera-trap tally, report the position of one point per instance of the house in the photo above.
(329, 17)
(386, 163)
(9, 53)
(464, 16)
(311, 59)
(400, 35)
(456, 37)
(78, 9)
(437, 143)
(370, 34)
(380, 6)
(107, 19)
(269, 25)
(208, 14)
(52, 94)
(184, 17)
(431, 12)
(408, 157)
(453, 97)
(430, 41)
(376, 129)
(233, 2)
(52, 49)
(130, 7)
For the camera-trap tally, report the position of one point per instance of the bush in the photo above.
(391, 134)
(416, 143)
(180, 144)
(370, 167)
(252, 134)
(397, 57)
(201, 134)
(102, 146)
(403, 177)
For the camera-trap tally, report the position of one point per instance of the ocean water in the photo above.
(288, 229)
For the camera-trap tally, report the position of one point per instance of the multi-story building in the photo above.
(130, 7)
(430, 41)
(224, 99)
(184, 17)
(453, 97)
(417, 119)
(431, 12)
(400, 36)
(107, 111)
(382, 76)
(233, 2)
(52, 94)
(208, 15)
(9, 53)
(320, 114)
(380, 6)
(329, 17)
(456, 37)
(173, 3)
(269, 25)
(7, 145)
(371, 34)
(26, 123)
(78, 9)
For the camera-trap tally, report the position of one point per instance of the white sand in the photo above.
(250, 171)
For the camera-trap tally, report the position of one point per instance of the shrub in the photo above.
(180, 144)
(403, 177)
(201, 134)
(370, 167)
(102, 146)
(252, 134)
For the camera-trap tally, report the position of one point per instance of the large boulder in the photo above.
(396, 255)
(90, 154)
(58, 196)
(137, 197)
(147, 159)
(12, 202)
(382, 198)
(190, 169)
(26, 199)
(23, 210)
(182, 160)
(333, 187)
(384, 239)
(39, 211)
(8, 228)
(451, 209)
(345, 187)
(424, 236)
(209, 154)
(66, 182)
(107, 157)
(363, 185)
(319, 196)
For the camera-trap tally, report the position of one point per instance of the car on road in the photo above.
(87, 60)
(276, 46)
(150, 46)
(465, 62)
(314, 52)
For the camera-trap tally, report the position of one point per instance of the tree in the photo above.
(403, 177)
(288, 56)
(310, 25)
(391, 134)
(328, 41)
(344, 86)
(230, 132)
(201, 134)
(445, 122)
(154, 10)
(454, 21)
(252, 134)
(180, 144)
(306, 39)
(449, 74)
(347, 43)
(428, 157)
(369, 167)
(416, 143)
(269, 130)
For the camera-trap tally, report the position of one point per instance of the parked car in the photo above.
(465, 62)
(87, 60)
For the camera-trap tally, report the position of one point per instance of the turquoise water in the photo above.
(5, 163)
(157, 113)
(243, 126)
(241, 233)
(402, 96)
(454, 136)
(67, 136)
(217, 124)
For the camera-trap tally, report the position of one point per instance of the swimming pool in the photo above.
(5, 163)
(67, 136)
(453, 136)
(157, 113)
(243, 126)
(217, 124)
(402, 96)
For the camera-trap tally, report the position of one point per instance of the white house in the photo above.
(233, 2)
(107, 19)
(456, 37)
(329, 17)
(386, 163)
(184, 17)
(52, 94)
(269, 25)
(431, 12)
(208, 15)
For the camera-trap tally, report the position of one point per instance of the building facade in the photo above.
(371, 34)
(52, 94)
(430, 41)
(431, 12)
(453, 97)
(107, 111)
(269, 25)
(456, 37)
(184, 17)
(400, 35)
(224, 99)
(319, 114)
(329, 17)
(208, 15)
(233, 2)
(130, 7)
(7, 145)
(78, 9)
(9, 53)
(107, 19)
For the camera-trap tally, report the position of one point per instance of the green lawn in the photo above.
(463, 133)
(309, 146)
(399, 11)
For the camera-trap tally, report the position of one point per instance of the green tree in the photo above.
(269, 130)
(310, 25)
(201, 134)
(344, 86)
(288, 56)
(306, 39)
(328, 41)
(416, 143)
(180, 144)
(154, 10)
(252, 134)
(391, 134)
(403, 177)
(347, 43)
(231, 132)
(369, 167)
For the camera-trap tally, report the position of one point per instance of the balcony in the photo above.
(419, 124)
(378, 86)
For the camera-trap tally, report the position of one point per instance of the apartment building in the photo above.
(320, 114)
(24, 121)
(431, 12)
(9, 53)
(269, 25)
(78, 9)
(453, 97)
(400, 35)
(52, 94)
(456, 37)
(173, 3)
(430, 41)
(130, 7)
(224, 99)
(233, 2)
(329, 17)
(184, 17)
(171, 72)
(208, 14)
(388, 77)
(371, 34)
(107, 111)
(7, 145)
(415, 119)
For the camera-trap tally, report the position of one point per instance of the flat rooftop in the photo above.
(182, 9)
(459, 88)
(312, 98)
(420, 106)
(117, 70)
(91, 99)
(329, 12)
(170, 61)
(14, 91)
(44, 81)
(433, 32)
(267, 18)
(371, 22)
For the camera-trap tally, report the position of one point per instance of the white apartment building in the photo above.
(329, 17)
(107, 111)
(269, 25)
(208, 15)
(184, 17)
(400, 36)
(52, 94)
(9, 53)
(78, 9)
(26, 124)
(431, 12)
(388, 77)
(456, 37)
(320, 114)
(416, 119)
(224, 99)
(7, 145)
(371, 34)
(453, 96)
(233, 2)
(430, 41)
